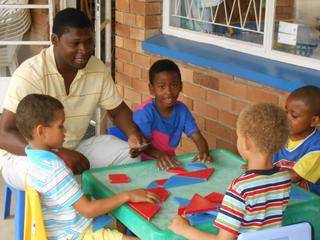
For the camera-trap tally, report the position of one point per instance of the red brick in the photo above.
(200, 121)
(119, 17)
(119, 66)
(129, 44)
(205, 110)
(227, 145)
(140, 21)
(151, 32)
(188, 145)
(123, 79)
(211, 139)
(153, 21)
(122, 30)
(141, 60)
(256, 95)
(132, 95)
(137, 33)
(186, 74)
(140, 86)
(123, 5)
(123, 54)
(153, 8)
(206, 80)
(238, 105)
(119, 41)
(187, 101)
(129, 19)
(220, 75)
(218, 130)
(193, 91)
(132, 70)
(228, 119)
(233, 89)
(219, 100)
(137, 7)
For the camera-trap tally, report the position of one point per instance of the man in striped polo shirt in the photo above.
(68, 71)
(257, 199)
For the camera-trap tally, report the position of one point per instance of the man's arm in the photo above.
(122, 116)
(11, 139)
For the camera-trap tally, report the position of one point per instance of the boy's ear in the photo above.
(39, 130)
(315, 121)
(151, 89)
(247, 143)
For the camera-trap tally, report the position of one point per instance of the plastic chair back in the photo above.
(34, 228)
(299, 231)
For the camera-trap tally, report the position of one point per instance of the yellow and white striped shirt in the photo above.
(92, 87)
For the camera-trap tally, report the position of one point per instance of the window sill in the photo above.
(268, 72)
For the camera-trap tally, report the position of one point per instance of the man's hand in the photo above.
(203, 156)
(74, 160)
(165, 162)
(137, 143)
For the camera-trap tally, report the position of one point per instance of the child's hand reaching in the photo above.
(165, 162)
(142, 195)
(203, 156)
(178, 225)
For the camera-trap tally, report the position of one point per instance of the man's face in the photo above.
(74, 47)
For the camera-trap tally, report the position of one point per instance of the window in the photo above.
(283, 30)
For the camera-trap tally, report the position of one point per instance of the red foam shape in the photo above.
(124, 180)
(199, 204)
(118, 176)
(161, 182)
(215, 197)
(177, 170)
(161, 192)
(181, 210)
(146, 210)
(203, 173)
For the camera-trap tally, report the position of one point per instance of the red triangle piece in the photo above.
(203, 173)
(161, 182)
(199, 204)
(176, 170)
(146, 210)
(215, 197)
(161, 192)
(181, 210)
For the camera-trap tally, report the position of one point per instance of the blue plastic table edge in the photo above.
(279, 75)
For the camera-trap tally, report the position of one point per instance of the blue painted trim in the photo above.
(272, 73)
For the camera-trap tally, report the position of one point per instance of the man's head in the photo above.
(165, 82)
(263, 125)
(72, 37)
(303, 110)
(37, 112)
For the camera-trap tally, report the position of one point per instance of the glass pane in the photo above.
(236, 19)
(297, 27)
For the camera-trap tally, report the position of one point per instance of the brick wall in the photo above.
(214, 98)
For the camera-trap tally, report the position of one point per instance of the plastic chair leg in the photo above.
(19, 199)
(6, 201)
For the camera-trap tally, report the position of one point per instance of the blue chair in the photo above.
(19, 197)
(115, 131)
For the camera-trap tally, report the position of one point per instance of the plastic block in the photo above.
(161, 182)
(199, 218)
(215, 197)
(152, 185)
(161, 192)
(181, 201)
(176, 170)
(101, 222)
(195, 166)
(118, 178)
(178, 181)
(204, 173)
(181, 210)
(199, 204)
(146, 210)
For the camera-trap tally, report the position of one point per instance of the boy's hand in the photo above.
(142, 195)
(74, 160)
(178, 225)
(136, 151)
(203, 156)
(165, 162)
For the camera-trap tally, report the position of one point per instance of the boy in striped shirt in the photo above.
(257, 199)
(67, 212)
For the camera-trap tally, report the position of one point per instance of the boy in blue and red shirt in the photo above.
(163, 119)
(301, 155)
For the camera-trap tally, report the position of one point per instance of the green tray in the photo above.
(95, 182)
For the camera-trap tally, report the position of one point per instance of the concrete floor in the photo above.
(6, 226)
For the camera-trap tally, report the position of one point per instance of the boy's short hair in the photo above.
(310, 95)
(35, 109)
(163, 65)
(69, 18)
(266, 125)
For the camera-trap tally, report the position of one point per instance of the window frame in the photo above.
(265, 50)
